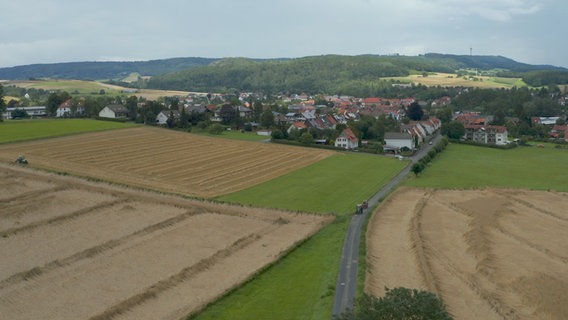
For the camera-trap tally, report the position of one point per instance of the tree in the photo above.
(306, 138)
(227, 113)
(55, 100)
(267, 119)
(2, 102)
(417, 168)
(132, 106)
(19, 114)
(399, 303)
(454, 130)
(414, 112)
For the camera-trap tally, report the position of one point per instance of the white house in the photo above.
(162, 117)
(347, 140)
(114, 111)
(64, 109)
(397, 140)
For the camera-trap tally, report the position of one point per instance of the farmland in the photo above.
(86, 88)
(165, 160)
(488, 253)
(101, 251)
(453, 80)
(334, 184)
(463, 166)
(12, 131)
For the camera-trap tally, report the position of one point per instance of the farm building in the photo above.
(114, 111)
(347, 140)
(33, 112)
(395, 141)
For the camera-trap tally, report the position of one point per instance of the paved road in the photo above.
(347, 279)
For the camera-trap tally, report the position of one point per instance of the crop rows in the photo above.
(82, 250)
(166, 160)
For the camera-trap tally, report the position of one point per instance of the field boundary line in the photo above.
(93, 251)
(163, 285)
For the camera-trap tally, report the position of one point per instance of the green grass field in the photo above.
(301, 286)
(465, 167)
(335, 184)
(21, 130)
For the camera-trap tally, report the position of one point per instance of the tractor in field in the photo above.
(21, 160)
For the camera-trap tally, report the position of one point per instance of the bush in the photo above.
(216, 129)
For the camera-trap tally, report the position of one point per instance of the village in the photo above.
(372, 124)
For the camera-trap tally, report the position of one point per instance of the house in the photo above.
(114, 111)
(162, 117)
(297, 125)
(64, 110)
(547, 121)
(496, 135)
(395, 141)
(558, 131)
(347, 140)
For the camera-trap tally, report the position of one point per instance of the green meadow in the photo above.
(465, 167)
(21, 130)
(333, 185)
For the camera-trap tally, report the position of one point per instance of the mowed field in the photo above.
(73, 249)
(488, 253)
(165, 160)
(453, 80)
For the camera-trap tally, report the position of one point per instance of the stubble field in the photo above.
(73, 249)
(489, 254)
(165, 160)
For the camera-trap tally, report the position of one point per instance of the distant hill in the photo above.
(315, 74)
(100, 70)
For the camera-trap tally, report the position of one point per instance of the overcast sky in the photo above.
(47, 31)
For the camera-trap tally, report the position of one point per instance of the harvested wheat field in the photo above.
(73, 249)
(489, 254)
(165, 160)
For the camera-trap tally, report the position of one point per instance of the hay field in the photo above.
(489, 254)
(73, 249)
(453, 80)
(165, 160)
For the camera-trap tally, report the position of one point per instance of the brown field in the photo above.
(165, 160)
(453, 80)
(489, 254)
(73, 249)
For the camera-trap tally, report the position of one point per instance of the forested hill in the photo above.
(315, 74)
(340, 74)
(103, 70)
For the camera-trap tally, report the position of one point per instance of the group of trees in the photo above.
(398, 303)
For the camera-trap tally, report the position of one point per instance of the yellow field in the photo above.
(73, 249)
(489, 254)
(452, 80)
(165, 160)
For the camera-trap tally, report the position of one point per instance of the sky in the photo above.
(50, 31)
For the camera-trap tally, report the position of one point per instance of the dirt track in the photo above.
(78, 250)
(490, 254)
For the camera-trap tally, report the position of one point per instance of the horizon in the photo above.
(277, 58)
(58, 31)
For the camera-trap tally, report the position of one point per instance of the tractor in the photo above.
(21, 160)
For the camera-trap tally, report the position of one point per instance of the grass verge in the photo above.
(300, 286)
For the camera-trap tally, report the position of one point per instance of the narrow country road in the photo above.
(347, 279)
